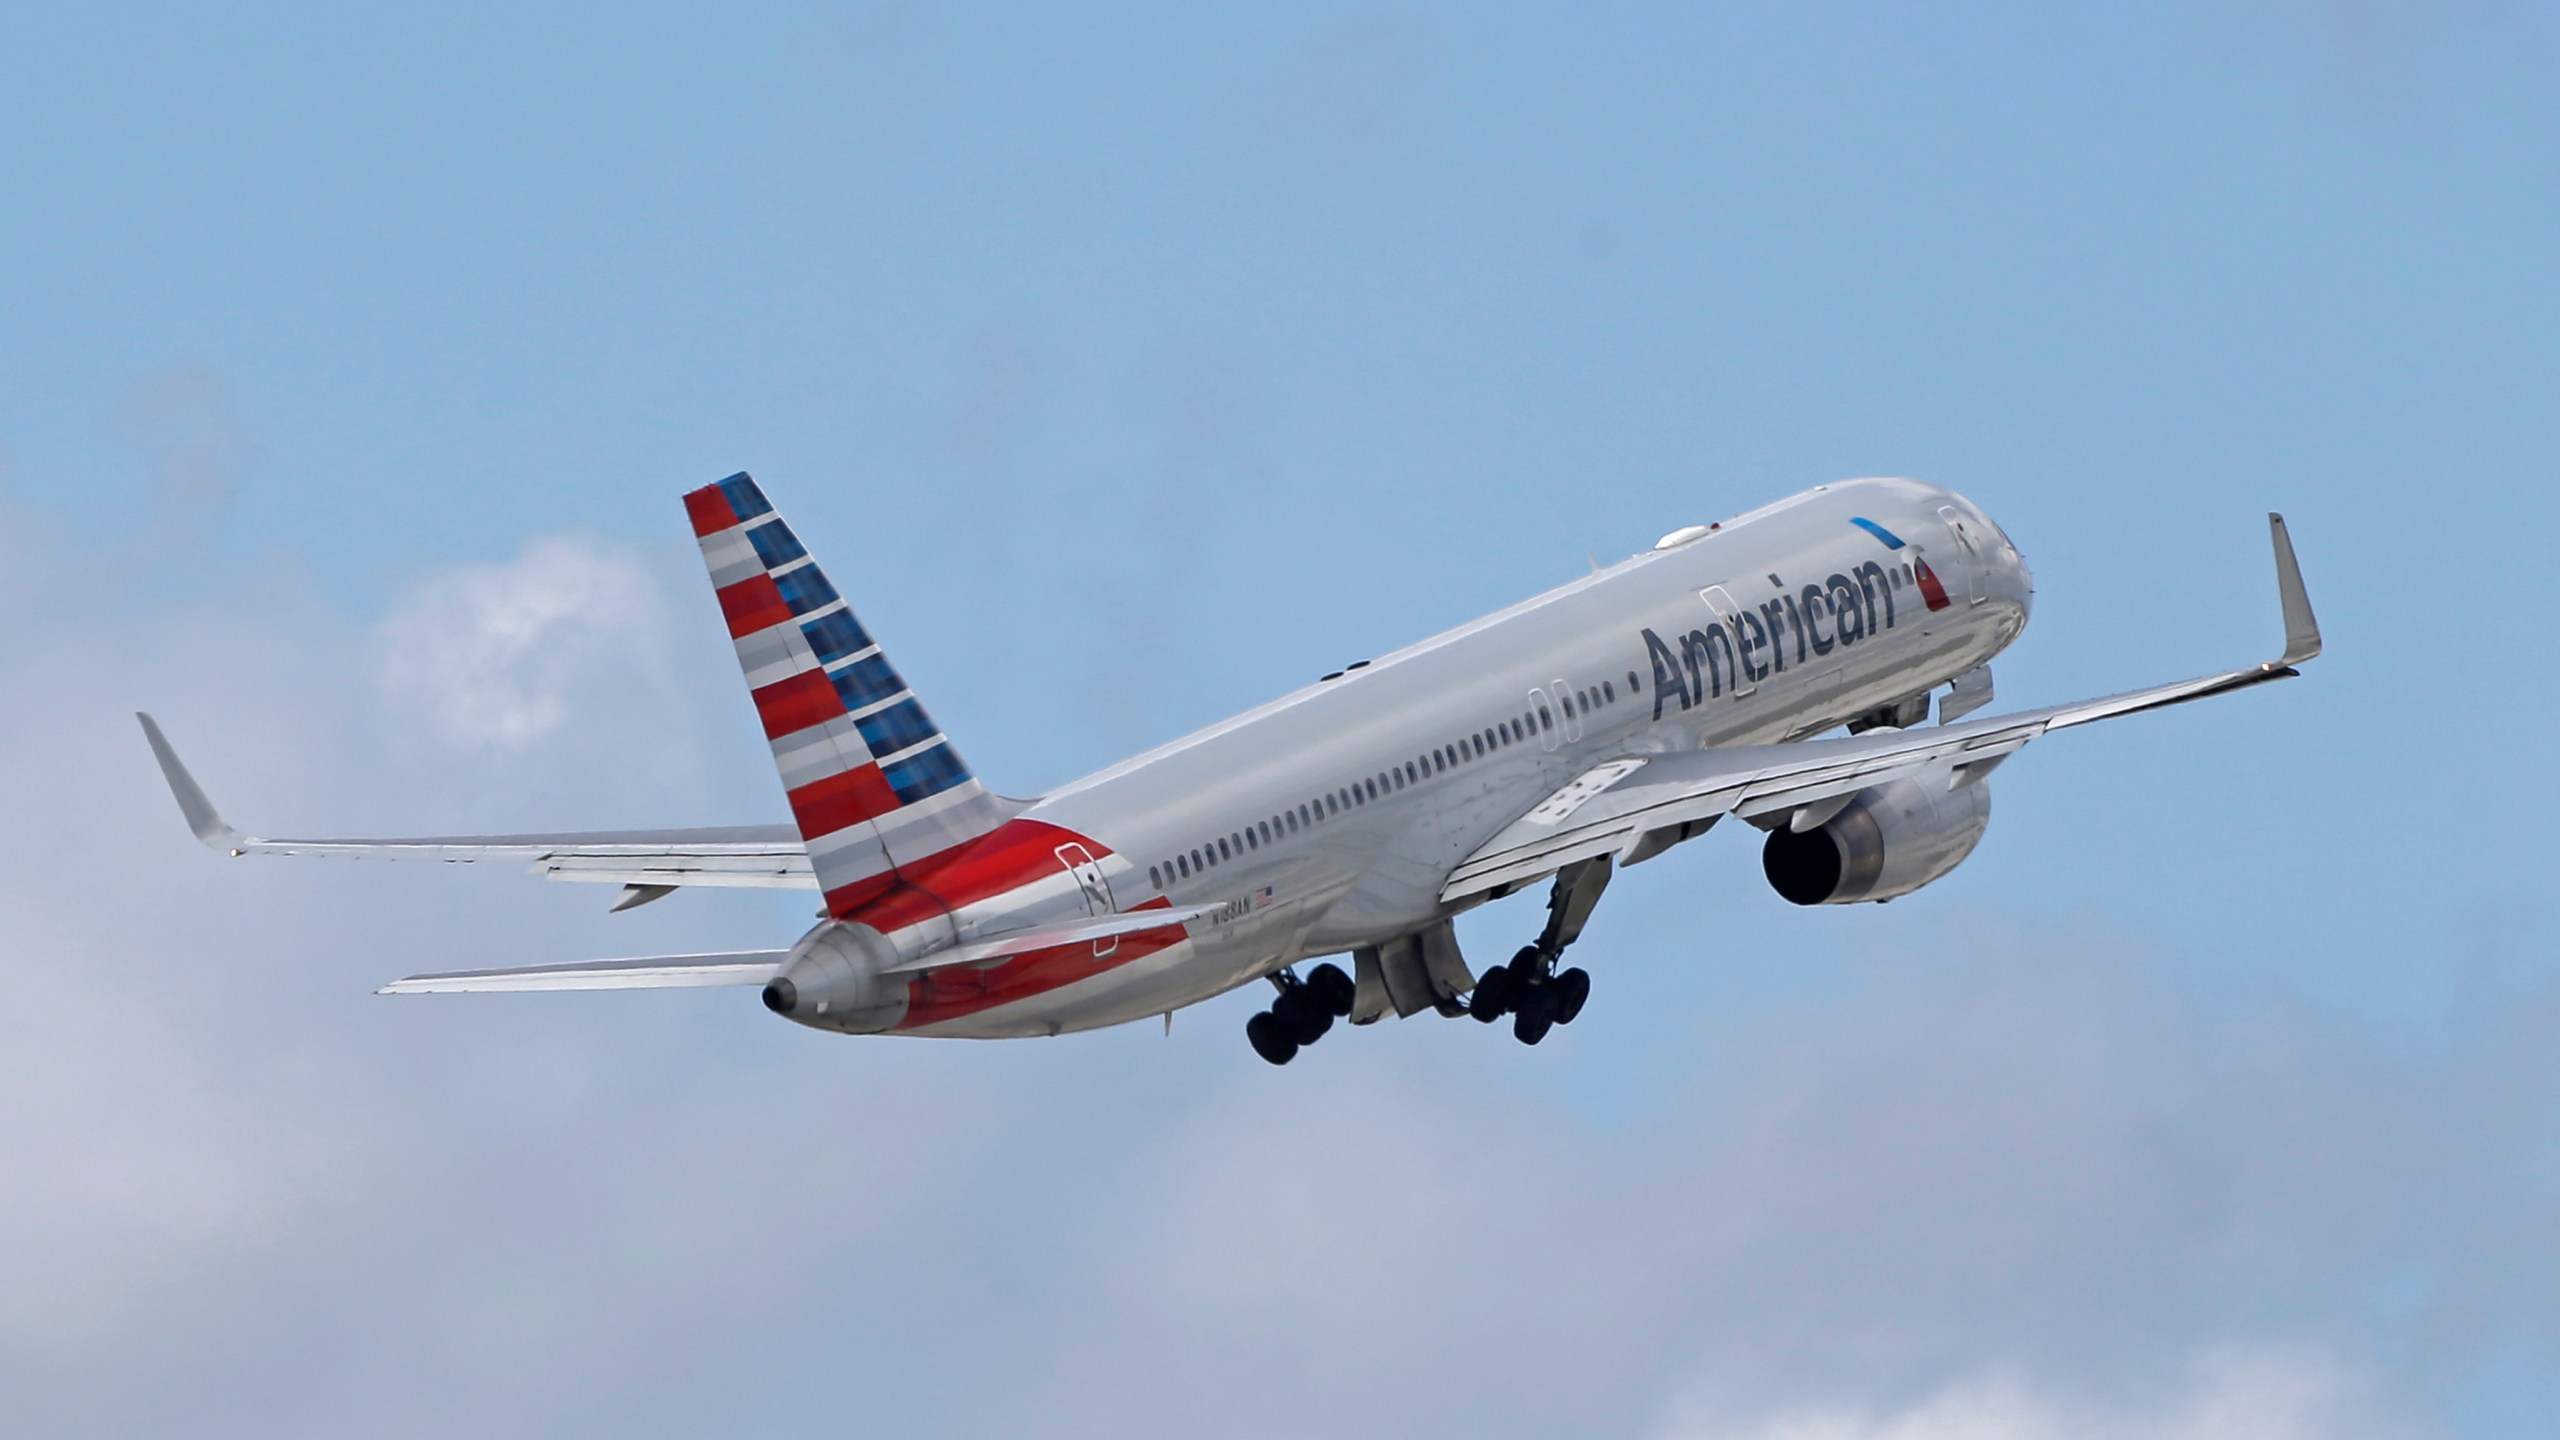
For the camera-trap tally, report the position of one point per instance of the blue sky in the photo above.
(1127, 366)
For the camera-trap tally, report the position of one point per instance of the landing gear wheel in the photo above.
(1571, 989)
(1532, 1023)
(1493, 994)
(1336, 989)
(1270, 1039)
(1302, 1015)
(1530, 963)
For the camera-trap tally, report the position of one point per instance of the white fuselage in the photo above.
(1330, 818)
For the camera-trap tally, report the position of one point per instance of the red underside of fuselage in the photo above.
(1013, 856)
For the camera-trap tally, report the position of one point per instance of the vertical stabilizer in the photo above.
(873, 783)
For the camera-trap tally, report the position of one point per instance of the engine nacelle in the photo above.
(1890, 840)
(832, 980)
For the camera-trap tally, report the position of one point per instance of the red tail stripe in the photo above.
(752, 605)
(824, 807)
(709, 511)
(791, 706)
(1014, 854)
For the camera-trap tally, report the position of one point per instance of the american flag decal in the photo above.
(872, 781)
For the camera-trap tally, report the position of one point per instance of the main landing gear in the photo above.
(1304, 1011)
(1530, 989)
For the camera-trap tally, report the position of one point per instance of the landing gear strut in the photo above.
(1304, 1011)
(1530, 989)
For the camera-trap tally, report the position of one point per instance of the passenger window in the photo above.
(1633, 685)
(1546, 718)
(1608, 693)
(1223, 852)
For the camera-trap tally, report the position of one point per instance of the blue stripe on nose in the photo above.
(1891, 540)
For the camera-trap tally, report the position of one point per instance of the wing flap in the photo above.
(768, 869)
(647, 972)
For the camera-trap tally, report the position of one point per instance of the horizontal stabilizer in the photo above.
(648, 972)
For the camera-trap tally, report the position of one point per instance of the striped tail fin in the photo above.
(873, 784)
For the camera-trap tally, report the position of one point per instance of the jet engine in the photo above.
(1889, 840)
(832, 980)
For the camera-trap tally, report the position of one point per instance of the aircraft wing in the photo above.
(1614, 807)
(648, 861)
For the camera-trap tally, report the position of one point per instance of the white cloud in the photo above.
(2258, 1396)
(490, 654)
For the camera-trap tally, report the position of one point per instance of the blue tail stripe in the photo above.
(835, 636)
(805, 590)
(927, 772)
(866, 682)
(745, 500)
(775, 545)
(896, 728)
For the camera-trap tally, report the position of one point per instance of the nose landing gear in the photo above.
(1530, 989)
(1304, 1011)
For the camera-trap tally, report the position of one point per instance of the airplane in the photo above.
(1582, 731)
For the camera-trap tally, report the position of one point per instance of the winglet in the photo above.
(2301, 631)
(201, 816)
